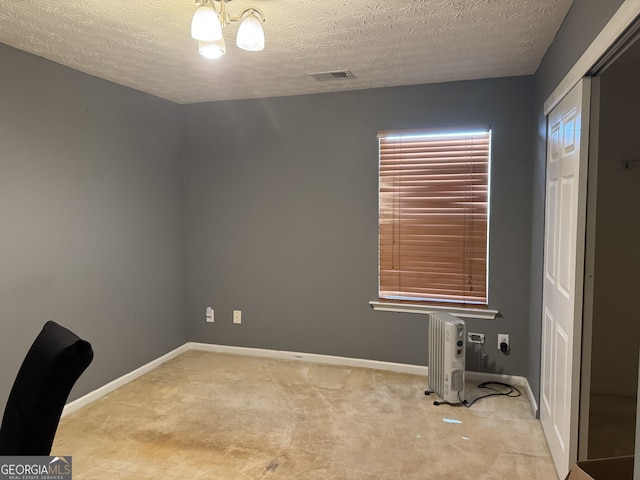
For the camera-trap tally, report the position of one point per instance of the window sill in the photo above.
(425, 310)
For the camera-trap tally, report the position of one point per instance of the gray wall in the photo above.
(281, 215)
(92, 217)
(583, 22)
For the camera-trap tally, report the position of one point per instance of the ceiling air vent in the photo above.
(338, 75)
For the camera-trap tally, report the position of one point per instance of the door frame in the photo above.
(589, 268)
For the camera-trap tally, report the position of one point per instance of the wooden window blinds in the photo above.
(433, 217)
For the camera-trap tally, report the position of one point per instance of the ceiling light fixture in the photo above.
(209, 20)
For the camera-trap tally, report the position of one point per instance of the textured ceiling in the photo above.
(146, 44)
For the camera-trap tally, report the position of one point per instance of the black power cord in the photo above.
(511, 391)
(442, 402)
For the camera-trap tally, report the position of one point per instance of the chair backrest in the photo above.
(54, 362)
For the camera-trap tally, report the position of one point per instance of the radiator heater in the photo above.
(447, 335)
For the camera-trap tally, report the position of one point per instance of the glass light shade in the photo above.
(213, 49)
(205, 24)
(250, 34)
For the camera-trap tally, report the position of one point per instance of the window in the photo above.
(433, 217)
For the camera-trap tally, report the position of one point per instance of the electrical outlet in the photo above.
(503, 338)
(237, 316)
(209, 314)
(475, 337)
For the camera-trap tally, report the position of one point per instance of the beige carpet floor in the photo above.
(213, 416)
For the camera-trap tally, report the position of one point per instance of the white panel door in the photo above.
(567, 147)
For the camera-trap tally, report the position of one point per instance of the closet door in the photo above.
(566, 182)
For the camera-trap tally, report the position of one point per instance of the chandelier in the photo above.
(209, 20)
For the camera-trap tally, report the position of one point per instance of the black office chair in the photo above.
(54, 362)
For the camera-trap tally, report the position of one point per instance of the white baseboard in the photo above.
(119, 382)
(303, 357)
(312, 357)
